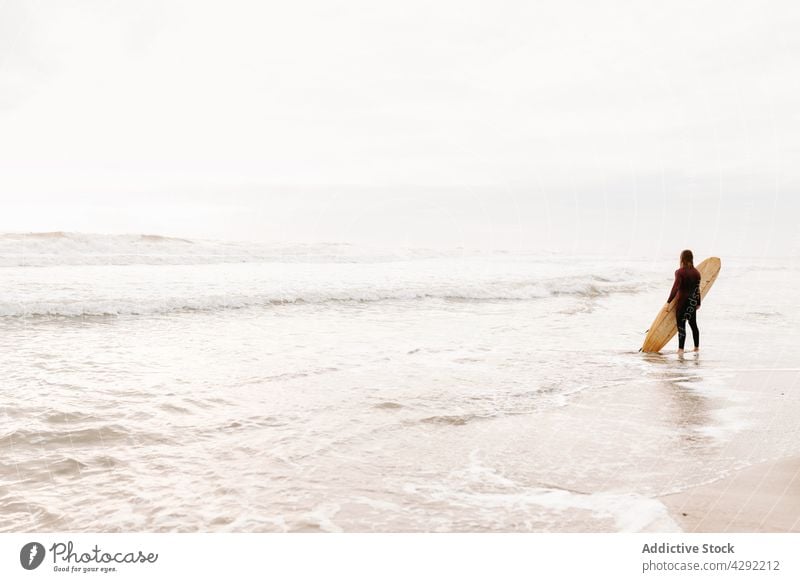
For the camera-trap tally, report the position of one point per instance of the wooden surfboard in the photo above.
(664, 326)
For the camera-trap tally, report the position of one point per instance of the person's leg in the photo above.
(695, 329)
(680, 318)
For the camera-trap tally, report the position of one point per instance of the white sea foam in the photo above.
(163, 305)
(627, 512)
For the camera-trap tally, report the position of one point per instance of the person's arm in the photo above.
(675, 286)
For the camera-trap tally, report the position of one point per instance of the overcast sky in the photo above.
(612, 125)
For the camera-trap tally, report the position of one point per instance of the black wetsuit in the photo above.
(686, 292)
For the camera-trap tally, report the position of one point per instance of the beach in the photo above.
(157, 384)
(762, 498)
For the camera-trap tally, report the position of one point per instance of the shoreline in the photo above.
(758, 499)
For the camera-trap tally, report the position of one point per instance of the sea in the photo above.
(158, 384)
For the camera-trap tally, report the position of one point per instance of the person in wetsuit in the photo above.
(686, 292)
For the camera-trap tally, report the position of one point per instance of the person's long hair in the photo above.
(687, 259)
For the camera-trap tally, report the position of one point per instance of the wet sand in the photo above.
(761, 498)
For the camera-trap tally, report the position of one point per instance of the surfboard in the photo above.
(664, 326)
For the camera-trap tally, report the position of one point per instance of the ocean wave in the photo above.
(71, 437)
(84, 275)
(152, 306)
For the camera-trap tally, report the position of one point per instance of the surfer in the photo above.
(686, 292)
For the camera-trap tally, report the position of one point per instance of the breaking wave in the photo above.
(60, 274)
(154, 306)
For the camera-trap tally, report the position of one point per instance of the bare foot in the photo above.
(696, 349)
(680, 353)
